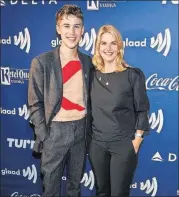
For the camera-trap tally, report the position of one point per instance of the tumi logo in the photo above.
(88, 181)
(175, 2)
(22, 40)
(150, 187)
(162, 43)
(20, 143)
(156, 121)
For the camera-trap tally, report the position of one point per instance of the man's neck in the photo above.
(68, 54)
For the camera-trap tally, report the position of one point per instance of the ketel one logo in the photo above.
(162, 43)
(23, 41)
(150, 187)
(171, 157)
(156, 121)
(88, 181)
(13, 75)
(96, 4)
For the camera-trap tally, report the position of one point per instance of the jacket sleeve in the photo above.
(36, 99)
(141, 101)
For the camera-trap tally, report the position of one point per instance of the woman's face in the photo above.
(108, 48)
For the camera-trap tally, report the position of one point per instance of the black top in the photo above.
(120, 107)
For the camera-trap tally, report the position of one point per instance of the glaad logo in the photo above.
(171, 157)
(148, 187)
(88, 180)
(88, 41)
(162, 44)
(155, 83)
(13, 75)
(2, 3)
(156, 121)
(31, 174)
(29, 2)
(16, 194)
(23, 41)
(24, 112)
(96, 4)
(20, 143)
(8, 111)
(176, 2)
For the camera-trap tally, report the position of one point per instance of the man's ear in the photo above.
(83, 29)
(58, 29)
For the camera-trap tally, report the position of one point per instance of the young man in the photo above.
(58, 102)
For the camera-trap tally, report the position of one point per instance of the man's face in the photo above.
(71, 29)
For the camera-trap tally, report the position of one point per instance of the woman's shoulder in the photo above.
(135, 71)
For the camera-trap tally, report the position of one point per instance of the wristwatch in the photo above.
(139, 135)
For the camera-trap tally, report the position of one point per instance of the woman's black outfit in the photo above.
(119, 107)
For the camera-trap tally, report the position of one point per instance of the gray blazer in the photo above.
(45, 91)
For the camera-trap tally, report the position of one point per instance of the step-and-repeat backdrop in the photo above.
(150, 34)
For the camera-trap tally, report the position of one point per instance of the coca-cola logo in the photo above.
(16, 194)
(156, 83)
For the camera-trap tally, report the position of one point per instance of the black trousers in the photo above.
(113, 164)
(65, 145)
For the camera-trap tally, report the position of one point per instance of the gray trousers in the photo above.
(65, 145)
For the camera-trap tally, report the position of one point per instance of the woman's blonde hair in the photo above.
(97, 59)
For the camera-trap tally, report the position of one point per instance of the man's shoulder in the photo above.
(46, 56)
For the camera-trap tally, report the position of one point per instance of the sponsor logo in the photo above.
(23, 41)
(28, 2)
(177, 192)
(156, 121)
(88, 41)
(16, 194)
(153, 82)
(97, 4)
(171, 157)
(88, 181)
(24, 112)
(157, 157)
(20, 143)
(14, 75)
(30, 173)
(8, 111)
(162, 44)
(175, 2)
(150, 187)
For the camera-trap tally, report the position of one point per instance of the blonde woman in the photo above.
(119, 105)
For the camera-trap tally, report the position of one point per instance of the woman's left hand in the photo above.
(136, 143)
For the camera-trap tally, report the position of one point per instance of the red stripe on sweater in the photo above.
(68, 105)
(70, 69)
